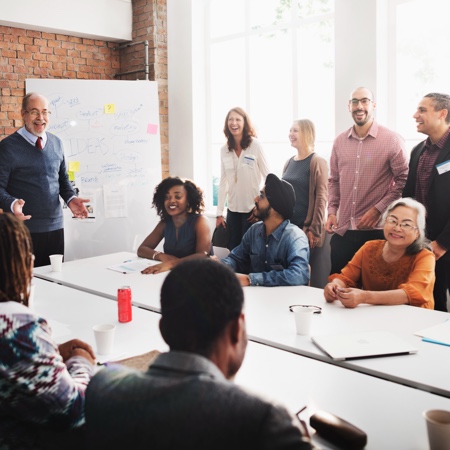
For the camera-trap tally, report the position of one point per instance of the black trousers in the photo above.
(46, 244)
(442, 284)
(343, 248)
(237, 225)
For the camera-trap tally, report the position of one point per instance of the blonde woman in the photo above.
(308, 174)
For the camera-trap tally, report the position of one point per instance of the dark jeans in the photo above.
(46, 244)
(442, 284)
(343, 248)
(237, 225)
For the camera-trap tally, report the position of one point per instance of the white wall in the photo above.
(186, 80)
(109, 20)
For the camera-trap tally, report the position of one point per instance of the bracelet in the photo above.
(155, 254)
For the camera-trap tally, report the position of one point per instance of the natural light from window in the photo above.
(274, 58)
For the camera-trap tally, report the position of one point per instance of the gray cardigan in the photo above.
(318, 197)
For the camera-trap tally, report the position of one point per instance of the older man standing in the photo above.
(429, 183)
(32, 178)
(273, 252)
(368, 170)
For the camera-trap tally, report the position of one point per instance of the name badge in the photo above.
(249, 161)
(443, 167)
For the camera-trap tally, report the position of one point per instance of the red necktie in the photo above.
(39, 143)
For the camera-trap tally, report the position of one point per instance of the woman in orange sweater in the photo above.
(395, 271)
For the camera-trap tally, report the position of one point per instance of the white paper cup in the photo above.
(56, 262)
(438, 426)
(104, 338)
(303, 319)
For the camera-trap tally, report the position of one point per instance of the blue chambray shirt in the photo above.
(280, 259)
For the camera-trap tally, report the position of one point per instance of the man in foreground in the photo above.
(273, 252)
(186, 399)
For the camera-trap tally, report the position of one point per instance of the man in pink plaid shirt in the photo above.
(368, 170)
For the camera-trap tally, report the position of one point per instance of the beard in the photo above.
(262, 214)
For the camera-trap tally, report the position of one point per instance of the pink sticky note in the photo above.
(152, 128)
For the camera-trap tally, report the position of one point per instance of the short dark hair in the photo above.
(440, 102)
(198, 299)
(15, 259)
(194, 196)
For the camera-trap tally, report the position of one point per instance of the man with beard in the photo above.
(273, 252)
(32, 177)
(429, 183)
(368, 170)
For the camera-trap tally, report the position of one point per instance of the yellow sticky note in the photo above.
(74, 166)
(71, 175)
(110, 108)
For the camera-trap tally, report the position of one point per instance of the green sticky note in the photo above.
(71, 175)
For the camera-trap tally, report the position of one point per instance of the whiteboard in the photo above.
(110, 133)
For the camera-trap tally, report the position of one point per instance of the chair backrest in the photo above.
(221, 252)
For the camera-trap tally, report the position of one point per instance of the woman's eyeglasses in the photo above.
(404, 225)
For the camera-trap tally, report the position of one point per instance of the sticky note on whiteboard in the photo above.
(74, 166)
(110, 108)
(152, 128)
(71, 175)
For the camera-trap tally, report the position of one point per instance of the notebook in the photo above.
(365, 344)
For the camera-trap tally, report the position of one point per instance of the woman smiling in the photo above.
(185, 231)
(399, 270)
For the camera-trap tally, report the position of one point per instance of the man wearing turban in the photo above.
(273, 252)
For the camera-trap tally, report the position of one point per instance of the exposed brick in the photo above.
(34, 54)
(49, 36)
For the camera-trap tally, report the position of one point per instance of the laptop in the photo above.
(364, 344)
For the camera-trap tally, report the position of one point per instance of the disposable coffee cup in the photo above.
(56, 262)
(104, 338)
(438, 426)
(303, 319)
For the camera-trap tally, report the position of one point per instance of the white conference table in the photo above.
(92, 275)
(72, 313)
(390, 414)
(270, 322)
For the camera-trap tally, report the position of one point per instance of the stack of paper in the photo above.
(437, 334)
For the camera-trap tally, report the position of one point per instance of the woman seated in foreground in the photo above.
(186, 233)
(42, 385)
(397, 271)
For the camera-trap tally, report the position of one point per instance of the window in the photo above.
(422, 59)
(275, 59)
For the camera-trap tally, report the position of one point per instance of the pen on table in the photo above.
(432, 341)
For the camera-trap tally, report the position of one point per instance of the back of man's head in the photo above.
(198, 299)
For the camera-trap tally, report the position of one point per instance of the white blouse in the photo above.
(241, 178)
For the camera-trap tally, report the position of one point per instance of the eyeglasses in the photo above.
(364, 101)
(404, 226)
(317, 309)
(36, 113)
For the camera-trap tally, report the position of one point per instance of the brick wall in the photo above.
(33, 54)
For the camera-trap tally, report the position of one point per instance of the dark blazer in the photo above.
(182, 401)
(438, 199)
